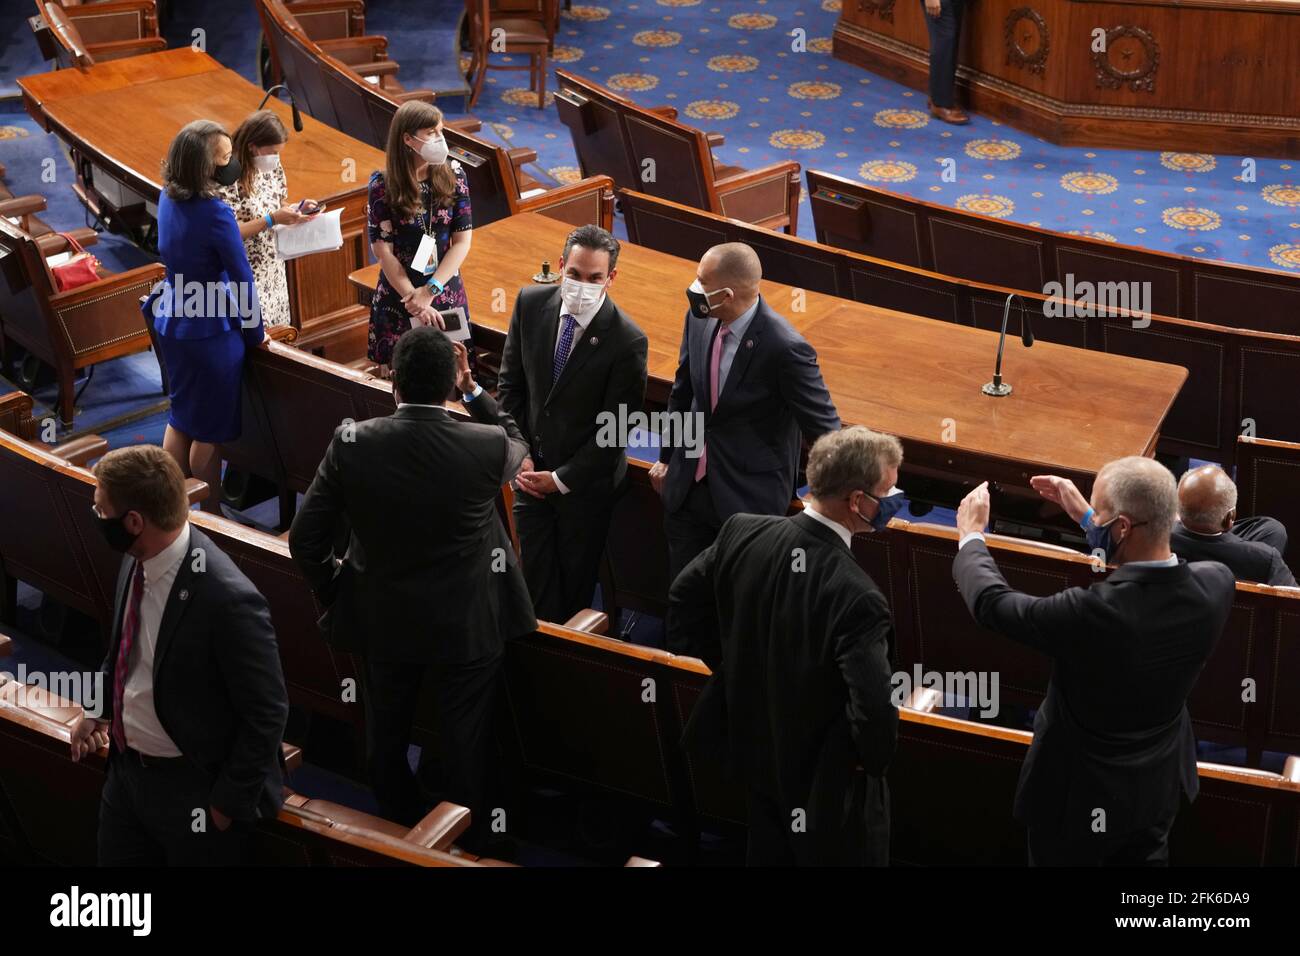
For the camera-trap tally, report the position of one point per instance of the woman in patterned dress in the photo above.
(258, 200)
(420, 193)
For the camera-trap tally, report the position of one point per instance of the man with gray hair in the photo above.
(756, 384)
(800, 640)
(1208, 530)
(1113, 747)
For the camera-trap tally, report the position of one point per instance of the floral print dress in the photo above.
(269, 192)
(388, 316)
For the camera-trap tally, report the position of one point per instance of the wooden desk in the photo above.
(1071, 410)
(1214, 76)
(119, 117)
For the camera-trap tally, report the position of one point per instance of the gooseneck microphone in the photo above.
(293, 104)
(998, 388)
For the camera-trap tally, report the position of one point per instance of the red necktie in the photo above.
(715, 366)
(130, 625)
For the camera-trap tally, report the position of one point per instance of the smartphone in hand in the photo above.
(309, 207)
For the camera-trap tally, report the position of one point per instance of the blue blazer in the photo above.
(773, 396)
(209, 288)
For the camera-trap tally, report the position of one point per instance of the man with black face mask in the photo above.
(1113, 748)
(755, 383)
(195, 703)
(800, 640)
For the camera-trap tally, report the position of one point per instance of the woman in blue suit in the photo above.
(205, 312)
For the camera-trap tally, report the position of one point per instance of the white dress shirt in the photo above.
(583, 319)
(838, 528)
(144, 733)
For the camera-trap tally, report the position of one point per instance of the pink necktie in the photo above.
(715, 364)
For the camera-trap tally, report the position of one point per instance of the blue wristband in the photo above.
(1087, 516)
(436, 285)
(270, 221)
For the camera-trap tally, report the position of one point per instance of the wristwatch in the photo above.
(434, 284)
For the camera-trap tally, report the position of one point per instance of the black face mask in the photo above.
(228, 174)
(115, 533)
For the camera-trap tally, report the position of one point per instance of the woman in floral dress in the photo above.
(420, 230)
(258, 200)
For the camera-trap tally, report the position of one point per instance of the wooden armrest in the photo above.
(440, 827)
(751, 176)
(377, 68)
(325, 6)
(81, 450)
(84, 235)
(640, 861)
(283, 333)
(715, 139)
(22, 206)
(51, 244)
(196, 490)
(520, 155)
(125, 47)
(469, 124)
(292, 756)
(591, 621)
(6, 646)
(424, 96)
(667, 112)
(101, 7)
(374, 43)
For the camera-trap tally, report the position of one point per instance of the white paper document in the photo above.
(321, 233)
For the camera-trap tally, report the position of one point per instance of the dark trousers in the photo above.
(690, 530)
(561, 542)
(1268, 531)
(466, 698)
(147, 816)
(945, 40)
(1146, 847)
(844, 827)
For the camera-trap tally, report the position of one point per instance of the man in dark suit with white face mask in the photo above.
(572, 359)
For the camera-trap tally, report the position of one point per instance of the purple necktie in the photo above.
(562, 350)
(715, 365)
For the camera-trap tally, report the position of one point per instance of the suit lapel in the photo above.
(123, 582)
(701, 349)
(585, 346)
(544, 348)
(745, 350)
(180, 598)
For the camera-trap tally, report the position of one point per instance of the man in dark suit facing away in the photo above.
(800, 640)
(755, 383)
(1208, 530)
(429, 581)
(194, 701)
(572, 359)
(1113, 748)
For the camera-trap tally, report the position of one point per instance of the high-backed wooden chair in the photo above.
(649, 151)
(1268, 476)
(965, 245)
(84, 35)
(490, 33)
(69, 330)
(330, 19)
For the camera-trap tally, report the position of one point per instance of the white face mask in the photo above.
(580, 297)
(433, 150)
(264, 164)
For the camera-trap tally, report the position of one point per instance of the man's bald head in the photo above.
(733, 264)
(1207, 500)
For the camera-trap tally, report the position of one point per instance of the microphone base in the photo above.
(997, 390)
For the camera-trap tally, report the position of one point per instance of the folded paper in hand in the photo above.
(319, 234)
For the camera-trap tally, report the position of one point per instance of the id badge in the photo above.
(426, 257)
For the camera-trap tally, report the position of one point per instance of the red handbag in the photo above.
(81, 269)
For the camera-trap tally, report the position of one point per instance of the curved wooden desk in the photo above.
(1202, 75)
(119, 117)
